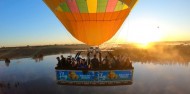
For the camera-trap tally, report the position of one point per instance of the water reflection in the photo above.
(7, 64)
(8, 85)
(38, 57)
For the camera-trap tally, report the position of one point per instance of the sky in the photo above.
(31, 22)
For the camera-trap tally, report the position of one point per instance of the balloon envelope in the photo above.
(91, 21)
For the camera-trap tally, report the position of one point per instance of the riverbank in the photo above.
(35, 51)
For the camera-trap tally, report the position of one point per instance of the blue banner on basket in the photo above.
(108, 75)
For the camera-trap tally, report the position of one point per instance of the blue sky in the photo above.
(30, 22)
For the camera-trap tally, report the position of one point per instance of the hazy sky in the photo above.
(30, 22)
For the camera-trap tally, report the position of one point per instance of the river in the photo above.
(29, 76)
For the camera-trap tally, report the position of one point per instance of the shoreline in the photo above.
(157, 52)
(37, 51)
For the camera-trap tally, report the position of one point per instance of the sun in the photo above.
(142, 32)
(144, 38)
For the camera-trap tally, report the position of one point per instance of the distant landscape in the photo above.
(159, 51)
(34, 51)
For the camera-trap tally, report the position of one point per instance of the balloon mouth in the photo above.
(91, 6)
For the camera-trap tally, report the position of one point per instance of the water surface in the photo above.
(26, 76)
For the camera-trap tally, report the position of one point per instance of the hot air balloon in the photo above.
(91, 21)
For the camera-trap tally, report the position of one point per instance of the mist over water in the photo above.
(26, 76)
(158, 53)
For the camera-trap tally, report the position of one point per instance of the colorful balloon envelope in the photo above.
(91, 21)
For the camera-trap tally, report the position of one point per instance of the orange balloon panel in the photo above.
(90, 24)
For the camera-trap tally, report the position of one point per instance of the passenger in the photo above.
(79, 62)
(63, 61)
(95, 63)
(58, 64)
(58, 59)
(68, 63)
(117, 62)
(78, 59)
(82, 64)
(106, 59)
(110, 66)
(105, 63)
(89, 66)
(121, 59)
(73, 59)
(74, 64)
(88, 58)
(113, 63)
(129, 62)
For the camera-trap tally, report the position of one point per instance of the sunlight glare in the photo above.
(141, 31)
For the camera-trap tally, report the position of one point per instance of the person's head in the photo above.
(106, 57)
(104, 62)
(80, 60)
(83, 61)
(89, 66)
(58, 59)
(62, 56)
(128, 59)
(94, 56)
(68, 57)
(116, 57)
(73, 59)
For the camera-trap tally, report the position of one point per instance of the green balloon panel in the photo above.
(91, 6)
